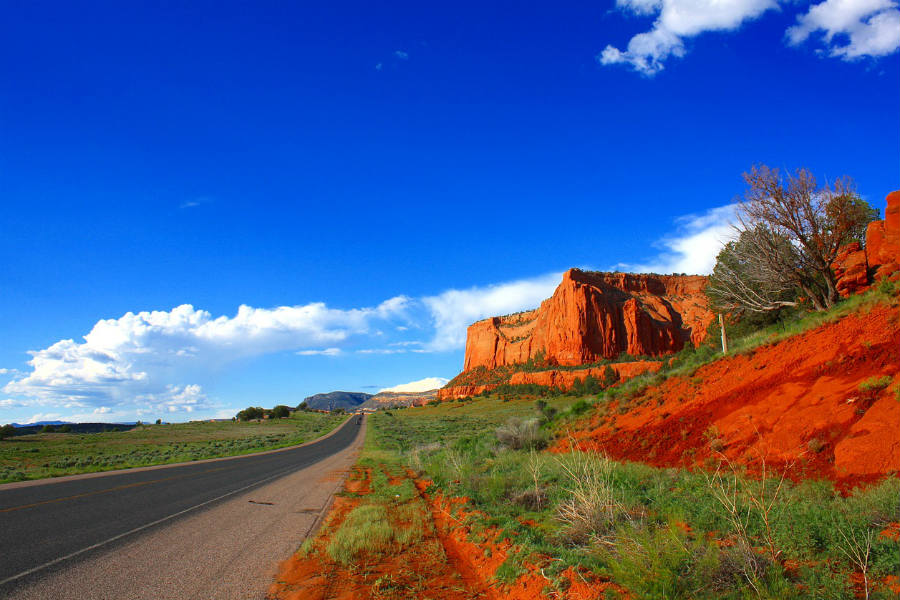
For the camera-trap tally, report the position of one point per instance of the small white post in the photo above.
(724, 338)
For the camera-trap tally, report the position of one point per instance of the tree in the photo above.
(303, 406)
(742, 282)
(250, 413)
(789, 233)
(159, 421)
(48, 429)
(7, 431)
(610, 376)
(280, 412)
(65, 429)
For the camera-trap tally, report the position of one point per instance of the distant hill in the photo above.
(394, 399)
(333, 400)
(28, 428)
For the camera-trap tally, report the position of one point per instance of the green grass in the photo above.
(54, 454)
(660, 533)
(389, 518)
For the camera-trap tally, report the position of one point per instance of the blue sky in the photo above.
(368, 179)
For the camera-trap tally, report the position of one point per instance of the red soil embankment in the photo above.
(797, 402)
(478, 561)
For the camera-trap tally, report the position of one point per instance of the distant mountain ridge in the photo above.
(333, 400)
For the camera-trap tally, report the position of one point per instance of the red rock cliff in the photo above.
(855, 267)
(592, 316)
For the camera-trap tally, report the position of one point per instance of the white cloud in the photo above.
(323, 352)
(401, 54)
(139, 361)
(676, 20)
(44, 417)
(869, 27)
(422, 385)
(454, 310)
(694, 246)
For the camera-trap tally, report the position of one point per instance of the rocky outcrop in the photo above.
(395, 399)
(593, 316)
(562, 379)
(851, 270)
(855, 267)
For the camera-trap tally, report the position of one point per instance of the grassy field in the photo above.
(54, 454)
(659, 533)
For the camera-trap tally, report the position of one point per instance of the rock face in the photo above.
(555, 378)
(592, 316)
(855, 267)
(394, 399)
(851, 270)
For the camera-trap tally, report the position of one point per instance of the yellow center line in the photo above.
(112, 489)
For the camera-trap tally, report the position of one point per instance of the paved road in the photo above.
(212, 529)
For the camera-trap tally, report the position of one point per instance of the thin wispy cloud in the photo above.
(401, 54)
(323, 352)
(694, 245)
(453, 310)
(422, 385)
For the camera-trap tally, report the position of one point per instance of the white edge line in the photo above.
(136, 529)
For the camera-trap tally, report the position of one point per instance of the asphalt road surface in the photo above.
(208, 529)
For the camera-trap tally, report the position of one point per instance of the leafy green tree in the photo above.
(250, 413)
(7, 431)
(280, 412)
(790, 232)
(65, 429)
(48, 429)
(159, 421)
(610, 377)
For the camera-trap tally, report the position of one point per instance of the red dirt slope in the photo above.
(797, 401)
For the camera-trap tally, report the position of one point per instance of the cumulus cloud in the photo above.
(401, 54)
(142, 359)
(693, 247)
(453, 310)
(422, 385)
(851, 29)
(675, 20)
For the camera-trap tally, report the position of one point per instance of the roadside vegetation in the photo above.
(657, 533)
(52, 454)
(379, 541)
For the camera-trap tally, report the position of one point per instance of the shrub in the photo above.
(280, 412)
(815, 445)
(7, 431)
(521, 434)
(875, 384)
(48, 429)
(610, 376)
(590, 512)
